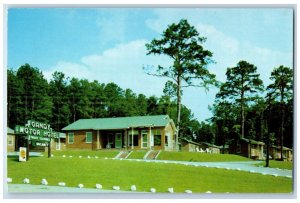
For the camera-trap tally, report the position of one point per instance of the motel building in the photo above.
(138, 132)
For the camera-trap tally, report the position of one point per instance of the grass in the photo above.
(144, 175)
(200, 157)
(137, 155)
(278, 164)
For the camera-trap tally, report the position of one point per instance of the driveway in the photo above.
(239, 166)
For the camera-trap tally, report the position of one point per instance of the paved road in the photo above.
(240, 166)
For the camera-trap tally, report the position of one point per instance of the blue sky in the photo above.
(108, 44)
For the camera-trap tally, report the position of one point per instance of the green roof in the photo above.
(279, 147)
(189, 141)
(206, 143)
(252, 141)
(119, 123)
(10, 131)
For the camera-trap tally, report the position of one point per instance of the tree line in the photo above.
(64, 100)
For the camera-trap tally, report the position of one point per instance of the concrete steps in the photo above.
(152, 155)
(123, 155)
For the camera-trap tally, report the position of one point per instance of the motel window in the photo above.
(157, 137)
(70, 138)
(10, 140)
(89, 137)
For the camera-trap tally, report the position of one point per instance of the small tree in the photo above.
(182, 43)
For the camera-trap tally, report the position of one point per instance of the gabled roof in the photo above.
(10, 131)
(279, 147)
(252, 141)
(189, 141)
(205, 143)
(119, 123)
(216, 146)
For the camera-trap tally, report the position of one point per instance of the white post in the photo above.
(150, 138)
(131, 137)
(59, 143)
(98, 143)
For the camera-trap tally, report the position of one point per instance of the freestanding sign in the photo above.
(38, 134)
(22, 154)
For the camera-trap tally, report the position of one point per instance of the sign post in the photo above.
(38, 133)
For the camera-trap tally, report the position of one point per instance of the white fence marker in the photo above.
(133, 188)
(98, 186)
(152, 190)
(44, 182)
(171, 190)
(26, 181)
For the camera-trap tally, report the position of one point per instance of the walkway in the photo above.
(28, 188)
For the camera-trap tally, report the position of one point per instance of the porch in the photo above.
(132, 139)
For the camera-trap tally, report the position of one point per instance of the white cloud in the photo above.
(227, 52)
(121, 64)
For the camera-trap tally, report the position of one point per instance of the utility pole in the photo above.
(269, 97)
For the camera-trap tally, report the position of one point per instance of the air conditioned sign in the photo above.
(22, 154)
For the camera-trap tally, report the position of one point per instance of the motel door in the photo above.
(118, 140)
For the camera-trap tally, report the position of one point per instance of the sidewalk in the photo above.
(28, 188)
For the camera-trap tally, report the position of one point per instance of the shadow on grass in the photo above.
(16, 158)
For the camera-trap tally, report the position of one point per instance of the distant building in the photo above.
(59, 143)
(11, 140)
(275, 153)
(188, 145)
(191, 146)
(138, 132)
(248, 148)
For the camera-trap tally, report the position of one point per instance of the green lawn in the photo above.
(137, 155)
(125, 173)
(200, 157)
(278, 164)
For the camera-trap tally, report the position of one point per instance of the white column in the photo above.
(132, 138)
(151, 139)
(98, 143)
(59, 143)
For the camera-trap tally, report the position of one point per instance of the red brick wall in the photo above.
(80, 140)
